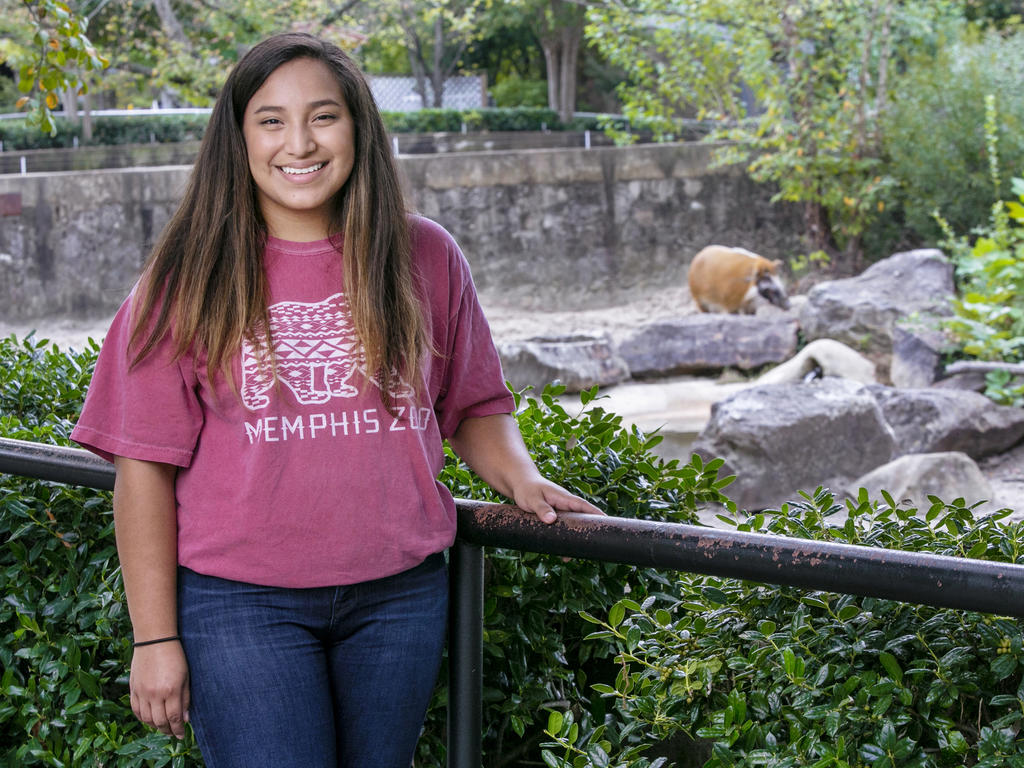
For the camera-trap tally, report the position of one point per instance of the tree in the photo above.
(798, 86)
(558, 26)
(46, 44)
(435, 32)
(508, 50)
(181, 50)
(155, 53)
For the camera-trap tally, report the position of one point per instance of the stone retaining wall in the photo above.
(561, 228)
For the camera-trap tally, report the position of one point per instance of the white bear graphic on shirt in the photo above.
(316, 351)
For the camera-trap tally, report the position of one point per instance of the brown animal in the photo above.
(731, 280)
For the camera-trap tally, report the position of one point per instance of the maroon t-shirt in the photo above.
(306, 480)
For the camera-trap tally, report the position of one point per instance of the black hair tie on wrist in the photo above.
(154, 642)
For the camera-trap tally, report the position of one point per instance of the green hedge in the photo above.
(142, 129)
(64, 631)
(767, 675)
(65, 639)
(753, 675)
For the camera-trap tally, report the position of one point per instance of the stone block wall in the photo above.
(72, 244)
(560, 228)
(568, 228)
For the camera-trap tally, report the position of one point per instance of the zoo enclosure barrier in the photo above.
(947, 582)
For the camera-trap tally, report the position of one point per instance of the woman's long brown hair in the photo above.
(205, 284)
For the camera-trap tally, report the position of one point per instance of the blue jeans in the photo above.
(329, 677)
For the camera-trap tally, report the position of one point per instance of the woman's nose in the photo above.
(299, 140)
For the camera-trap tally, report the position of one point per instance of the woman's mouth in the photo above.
(301, 171)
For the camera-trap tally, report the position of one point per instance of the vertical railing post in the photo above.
(465, 655)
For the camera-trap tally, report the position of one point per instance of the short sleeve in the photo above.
(149, 411)
(473, 384)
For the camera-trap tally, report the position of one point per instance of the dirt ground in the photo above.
(509, 322)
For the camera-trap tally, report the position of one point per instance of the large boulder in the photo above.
(578, 362)
(916, 356)
(915, 477)
(709, 342)
(782, 438)
(937, 420)
(862, 311)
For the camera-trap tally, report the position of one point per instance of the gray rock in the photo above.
(971, 381)
(782, 438)
(862, 311)
(700, 343)
(916, 357)
(936, 420)
(578, 362)
(915, 477)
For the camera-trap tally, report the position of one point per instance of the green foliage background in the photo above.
(936, 146)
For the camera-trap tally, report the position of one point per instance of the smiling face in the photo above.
(300, 141)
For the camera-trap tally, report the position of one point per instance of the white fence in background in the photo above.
(398, 94)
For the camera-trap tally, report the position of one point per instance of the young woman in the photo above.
(274, 395)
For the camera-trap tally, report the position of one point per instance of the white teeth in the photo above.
(302, 171)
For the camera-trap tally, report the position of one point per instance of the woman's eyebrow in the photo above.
(312, 105)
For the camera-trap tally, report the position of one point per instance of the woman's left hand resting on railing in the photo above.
(493, 447)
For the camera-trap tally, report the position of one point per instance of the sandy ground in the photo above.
(509, 322)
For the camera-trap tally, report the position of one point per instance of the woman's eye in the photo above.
(270, 121)
(324, 117)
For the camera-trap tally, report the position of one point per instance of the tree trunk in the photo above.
(570, 57)
(416, 63)
(87, 118)
(968, 366)
(552, 61)
(560, 38)
(421, 80)
(437, 76)
(169, 21)
(71, 105)
(882, 91)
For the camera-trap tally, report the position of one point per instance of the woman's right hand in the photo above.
(146, 528)
(158, 685)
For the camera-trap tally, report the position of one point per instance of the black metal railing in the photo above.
(948, 582)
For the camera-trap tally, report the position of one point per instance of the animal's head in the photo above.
(769, 285)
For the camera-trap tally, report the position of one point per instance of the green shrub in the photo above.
(934, 130)
(107, 130)
(17, 134)
(988, 323)
(9, 94)
(515, 91)
(150, 128)
(452, 120)
(66, 638)
(695, 659)
(534, 651)
(423, 121)
(777, 676)
(144, 129)
(988, 314)
(66, 634)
